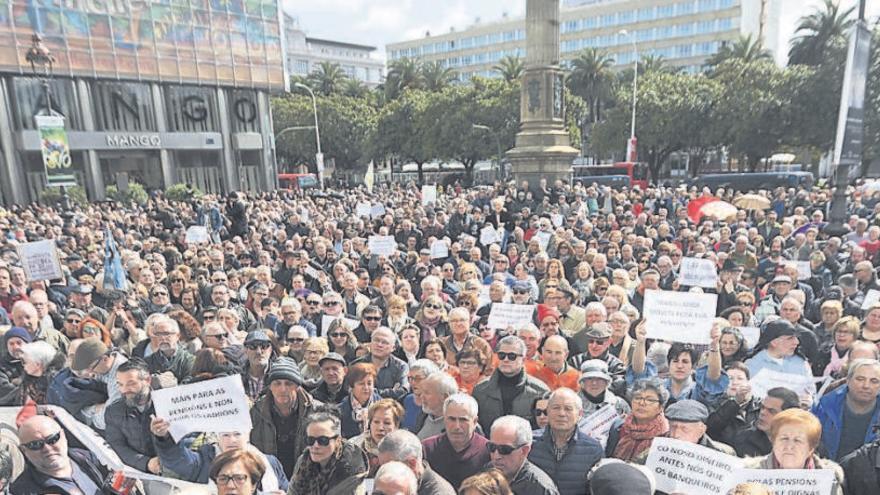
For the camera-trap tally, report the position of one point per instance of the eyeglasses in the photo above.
(502, 449)
(220, 336)
(331, 303)
(73, 320)
(258, 346)
(596, 341)
(540, 412)
(433, 306)
(236, 479)
(467, 363)
(156, 294)
(508, 356)
(314, 303)
(645, 400)
(521, 292)
(209, 317)
(36, 445)
(164, 334)
(322, 440)
(372, 318)
(296, 340)
(288, 313)
(176, 280)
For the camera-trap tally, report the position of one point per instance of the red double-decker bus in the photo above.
(636, 172)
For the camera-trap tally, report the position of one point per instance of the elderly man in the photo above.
(435, 389)
(461, 339)
(81, 298)
(93, 358)
(555, 371)
(755, 441)
(531, 336)
(595, 341)
(371, 318)
(563, 451)
(258, 349)
(780, 285)
(332, 388)
(850, 413)
(509, 390)
(128, 419)
(403, 446)
(510, 442)
(594, 393)
(391, 381)
(572, 318)
(25, 315)
(51, 466)
(687, 422)
(171, 355)
(278, 418)
(460, 452)
(216, 336)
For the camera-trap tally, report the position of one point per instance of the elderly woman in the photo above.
(327, 460)
(834, 354)
(733, 346)
(397, 316)
(313, 350)
(341, 340)
(794, 434)
(633, 434)
(237, 472)
(431, 318)
(361, 380)
(470, 369)
(435, 351)
(871, 325)
(383, 417)
(41, 362)
(410, 344)
(829, 312)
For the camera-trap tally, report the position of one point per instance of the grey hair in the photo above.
(167, 320)
(520, 426)
(856, 364)
(151, 320)
(566, 393)
(657, 354)
(446, 385)
(40, 352)
(463, 400)
(597, 307)
(297, 328)
(527, 327)
(424, 366)
(325, 416)
(652, 384)
(512, 340)
(402, 446)
(398, 471)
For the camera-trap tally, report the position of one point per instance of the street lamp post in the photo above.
(631, 151)
(319, 157)
(498, 171)
(291, 129)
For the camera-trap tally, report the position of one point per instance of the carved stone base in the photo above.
(536, 163)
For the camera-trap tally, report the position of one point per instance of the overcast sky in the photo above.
(378, 22)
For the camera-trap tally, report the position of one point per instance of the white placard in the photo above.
(684, 467)
(871, 299)
(680, 316)
(326, 321)
(598, 424)
(483, 297)
(439, 250)
(488, 235)
(696, 272)
(803, 269)
(556, 219)
(766, 379)
(543, 239)
(429, 194)
(40, 260)
(312, 272)
(304, 215)
(382, 245)
(362, 209)
(377, 210)
(197, 234)
(212, 406)
(505, 315)
(788, 481)
(751, 334)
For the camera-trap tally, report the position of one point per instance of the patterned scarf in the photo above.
(636, 438)
(311, 478)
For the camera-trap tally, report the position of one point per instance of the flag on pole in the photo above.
(114, 274)
(370, 177)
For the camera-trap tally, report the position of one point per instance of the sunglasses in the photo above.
(314, 303)
(540, 412)
(322, 440)
(36, 445)
(596, 341)
(373, 318)
(502, 449)
(157, 294)
(338, 335)
(433, 306)
(508, 356)
(520, 292)
(331, 303)
(220, 336)
(209, 317)
(73, 320)
(176, 280)
(260, 346)
(296, 340)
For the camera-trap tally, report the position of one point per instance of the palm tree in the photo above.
(327, 78)
(745, 48)
(435, 76)
(510, 68)
(403, 73)
(354, 88)
(590, 78)
(818, 33)
(653, 63)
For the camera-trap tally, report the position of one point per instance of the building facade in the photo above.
(304, 54)
(684, 32)
(154, 92)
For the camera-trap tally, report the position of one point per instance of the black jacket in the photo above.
(128, 432)
(752, 443)
(530, 480)
(862, 470)
(33, 482)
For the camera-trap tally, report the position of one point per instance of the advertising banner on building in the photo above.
(56, 151)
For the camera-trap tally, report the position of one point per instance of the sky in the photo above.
(379, 22)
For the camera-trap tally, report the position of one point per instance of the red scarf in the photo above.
(636, 438)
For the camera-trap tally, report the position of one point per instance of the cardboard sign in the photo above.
(197, 234)
(40, 260)
(871, 298)
(556, 219)
(680, 316)
(429, 194)
(304, 215)
(752, 335)
(766, 379)
(382, 245)
(212, 406)
(377, 210)
(598, 424)
(439, 250)
(312, 272)
(505, 315)
(803, 269)
(543, 239)
(788, 481)
(684, 467)
(326, 321)
(696, 272)
(483, 297)
(362, 209)
(488, 235)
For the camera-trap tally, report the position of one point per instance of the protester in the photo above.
(327, 460)
(460, 451)
(510, 442)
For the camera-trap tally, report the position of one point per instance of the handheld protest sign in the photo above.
(696, 272)
(212, 406)
(40, 260)
(684, 467)
(680, 316)
(505, 315)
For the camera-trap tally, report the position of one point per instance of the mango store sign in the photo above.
(153, 140)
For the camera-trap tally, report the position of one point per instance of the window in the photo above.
(466, 43)
(646, 14)
(705, 27)
(626, 17)
(685, 29)
(705, 5)
(494, 38)
(607, 40)
(685, 8)
(725, 24)
(509, 36)
(608, 20)
(725, 4)
(664, 32)
(665, 11)
(571, 26)
(645, 34)
(302, 66)
(466, 60)
(684, 50)
(588, 23)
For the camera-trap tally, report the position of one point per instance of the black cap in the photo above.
(257, 336)
(774, 330)
(687, 411)
(332, 356)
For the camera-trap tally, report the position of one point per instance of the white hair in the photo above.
(39, 352)
(402, 446)
(519, 425)
(424, 366)
(397, 471)
(463, 400)
(446, 385)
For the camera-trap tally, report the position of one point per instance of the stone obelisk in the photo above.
(543, 149)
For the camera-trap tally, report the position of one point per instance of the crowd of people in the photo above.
(388, 373)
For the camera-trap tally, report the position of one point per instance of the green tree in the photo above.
(405, 130)
(591, 80)
(511, 68)
(435, 76)
(744, 48)
(403, 73)
(821, 35)
(653, 63)
(327, 78)
(354, 88)
(871, 140)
